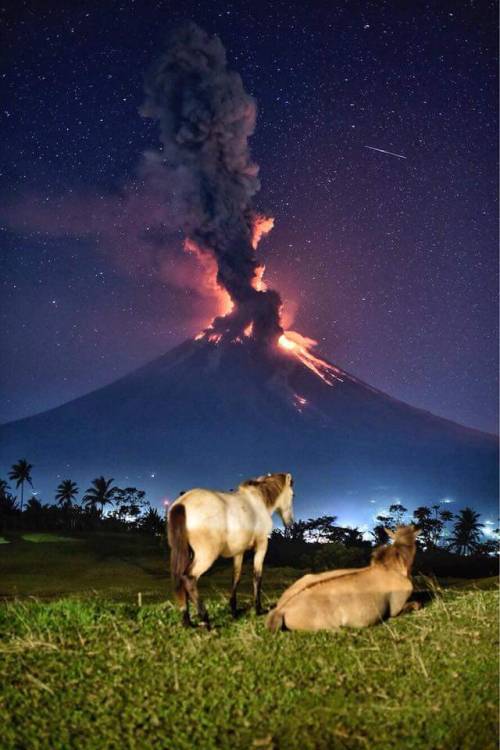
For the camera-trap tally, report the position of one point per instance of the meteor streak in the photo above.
(382, 151)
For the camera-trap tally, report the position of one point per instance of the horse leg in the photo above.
(237, 563)
(183, 599)
(258, 563)
(191, 584)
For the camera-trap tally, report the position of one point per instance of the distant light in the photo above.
(447, 501)
(153, 475)
(166, 503)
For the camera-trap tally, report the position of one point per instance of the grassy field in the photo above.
(86, 667)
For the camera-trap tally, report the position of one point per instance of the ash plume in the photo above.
(206, 171)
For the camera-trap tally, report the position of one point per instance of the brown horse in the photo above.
(355, 597)
(204, 525)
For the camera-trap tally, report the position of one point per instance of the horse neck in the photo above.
(397, 557)
(255, 495)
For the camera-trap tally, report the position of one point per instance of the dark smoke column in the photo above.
(205, 168)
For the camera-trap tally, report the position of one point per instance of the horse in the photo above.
(356, 597)
(205, 524)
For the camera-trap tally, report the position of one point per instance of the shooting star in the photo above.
(400, 156)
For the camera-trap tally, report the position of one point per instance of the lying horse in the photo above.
(204, 525)
(352, 598)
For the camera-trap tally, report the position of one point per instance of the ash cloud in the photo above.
(206, 171)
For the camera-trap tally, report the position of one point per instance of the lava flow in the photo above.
(300, 347)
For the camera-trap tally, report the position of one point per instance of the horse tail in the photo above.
(180, 551)
(275, 620)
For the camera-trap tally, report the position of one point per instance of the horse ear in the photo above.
(390, 533)
(417, 530)
(289, 479)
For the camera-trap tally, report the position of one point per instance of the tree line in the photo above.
(130, 508)
(460, 533)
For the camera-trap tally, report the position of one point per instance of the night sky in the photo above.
(389, 262)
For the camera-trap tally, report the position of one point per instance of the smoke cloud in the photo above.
(205, 170)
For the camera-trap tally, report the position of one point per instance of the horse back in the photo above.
(353, 598)
(310, 579)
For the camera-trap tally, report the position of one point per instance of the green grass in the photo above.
(98, 671)
(46, 538)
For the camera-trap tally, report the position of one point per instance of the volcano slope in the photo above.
(215, 413)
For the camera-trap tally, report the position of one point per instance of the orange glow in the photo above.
(214, 338)
(261, 225)
(286, 343)
(300, 346)
(293, 343)
(209, 266)
(258, 281)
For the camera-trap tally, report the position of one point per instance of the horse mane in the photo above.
(270, 487)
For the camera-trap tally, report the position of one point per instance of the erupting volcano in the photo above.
(244, 396)
(205, 166)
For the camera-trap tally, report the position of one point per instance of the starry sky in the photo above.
(389, 262)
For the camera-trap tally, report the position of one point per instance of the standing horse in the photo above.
(204, 525)
(355, 597)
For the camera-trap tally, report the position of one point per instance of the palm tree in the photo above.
(21, 473)
(101, 492)
(466, 532)
(7, 500)
(66, 492)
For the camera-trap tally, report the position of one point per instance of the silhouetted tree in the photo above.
(320, 529)
(129, 503)
(8, 505)
(466, 532)
(7, 499)
(21, 473)
(295, 532)
(386, 520)
(353, 537)
(33, 513)
(397, 513)
(430, 527)
(66, 492)
(101, 492)
(152, 522)
(379, 534)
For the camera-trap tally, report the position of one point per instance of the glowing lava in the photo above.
(300, 346)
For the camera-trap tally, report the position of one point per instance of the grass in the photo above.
(46, 538)
(98, 671)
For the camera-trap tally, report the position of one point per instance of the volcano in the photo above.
(245, 396)
(214, 412)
